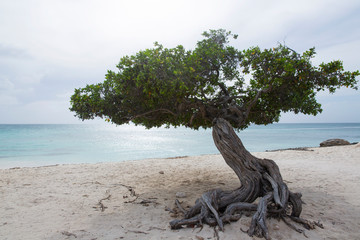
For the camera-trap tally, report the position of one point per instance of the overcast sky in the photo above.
(50, 47)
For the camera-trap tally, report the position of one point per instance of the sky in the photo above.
(50, 47)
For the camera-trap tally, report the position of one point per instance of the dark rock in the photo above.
(334, 142)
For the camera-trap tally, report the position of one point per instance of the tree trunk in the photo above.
(258, 178)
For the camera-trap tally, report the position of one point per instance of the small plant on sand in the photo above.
(218, 86)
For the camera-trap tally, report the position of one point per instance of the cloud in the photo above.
(6, 89)
(48, 48)
(10, 95)
(35, 112)
(12, 52)
(345, 52)
(336, 108)
(6, 85)
(6, 100)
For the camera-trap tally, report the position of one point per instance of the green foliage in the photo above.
(177, 87)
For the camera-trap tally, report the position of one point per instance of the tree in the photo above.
(216, 85)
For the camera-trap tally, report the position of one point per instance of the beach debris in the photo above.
(14, 168)
(131, 190)
(294, 149)
(156, 228)
(100, 203)
(161, 172)
(178, 204)
(181, 195)
(145, 202)
(334, 142)
(169, 209)
(142, 201)
(68, 234)
(137, 232)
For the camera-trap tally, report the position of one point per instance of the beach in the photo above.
(135, 199)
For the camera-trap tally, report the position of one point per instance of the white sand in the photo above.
(62, 202)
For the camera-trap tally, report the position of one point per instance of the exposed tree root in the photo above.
(207, 211)
(259, 178)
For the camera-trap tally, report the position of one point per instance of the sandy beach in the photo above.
(134, 199)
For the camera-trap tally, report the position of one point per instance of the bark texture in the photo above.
(259, 178)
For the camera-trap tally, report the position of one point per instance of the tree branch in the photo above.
(223, 88)
(151, 112)
(256, 98)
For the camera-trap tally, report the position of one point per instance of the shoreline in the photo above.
(175, 157)
(94, 201)
(45, 145)
(142, 159)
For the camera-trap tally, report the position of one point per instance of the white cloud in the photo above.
(49, 47)
(38, 112)
(336, 108)
(6, 91)
(7, 100)
(347, 52)
(5, 85)
(86, 32)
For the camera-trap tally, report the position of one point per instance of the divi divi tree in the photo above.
(218, 86)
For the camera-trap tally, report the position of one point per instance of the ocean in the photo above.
(47, 144)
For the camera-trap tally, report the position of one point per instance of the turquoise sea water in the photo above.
(39, 145)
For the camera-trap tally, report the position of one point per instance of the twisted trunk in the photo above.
(258, 178)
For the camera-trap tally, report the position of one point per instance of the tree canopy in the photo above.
(174, 86)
